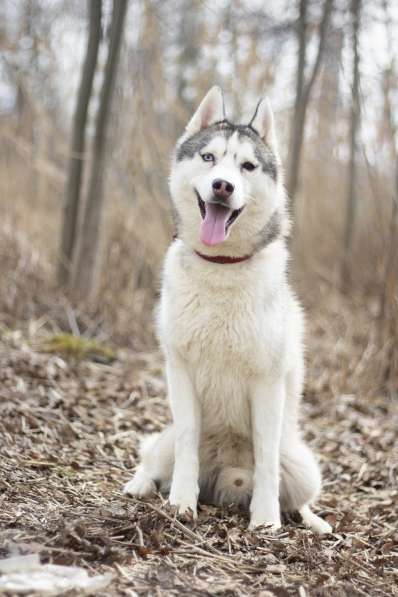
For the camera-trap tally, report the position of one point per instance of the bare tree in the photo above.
(390, 272)
(189, 36)
(304, 86)
(390, 278)
(354, 122)
(76, 159)
(330, 93)
(87, 263)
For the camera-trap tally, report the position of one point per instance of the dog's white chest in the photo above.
(215, 340)
(226, 336)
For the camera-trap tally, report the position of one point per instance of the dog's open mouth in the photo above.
(217, 218)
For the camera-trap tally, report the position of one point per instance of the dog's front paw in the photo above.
(140, 485)
(265, 513)
(269, 525)
(184, 501)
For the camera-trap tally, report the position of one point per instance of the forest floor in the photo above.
(69, 430)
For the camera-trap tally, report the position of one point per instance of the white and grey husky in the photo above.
(231, 330)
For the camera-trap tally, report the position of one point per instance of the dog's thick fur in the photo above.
(232, 334)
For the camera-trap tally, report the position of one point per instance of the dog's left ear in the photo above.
(263, 122)
(210, 110)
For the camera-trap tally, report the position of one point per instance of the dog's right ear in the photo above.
(211, 110)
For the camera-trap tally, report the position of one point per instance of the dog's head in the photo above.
(226, 180)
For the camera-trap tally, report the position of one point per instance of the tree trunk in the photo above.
(87, 261)
(303, 90)
(298, 120)
(76, 158)
(329, 100)
(390, 272)
(354, 121)
(388, 299)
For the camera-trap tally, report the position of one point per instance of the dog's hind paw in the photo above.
(314, 522)
(140, 485)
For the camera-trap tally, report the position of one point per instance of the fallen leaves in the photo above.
(69, 433)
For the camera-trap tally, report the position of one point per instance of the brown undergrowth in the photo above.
(69, 430)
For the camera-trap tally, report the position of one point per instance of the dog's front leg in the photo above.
(267, 404)
(186, 415)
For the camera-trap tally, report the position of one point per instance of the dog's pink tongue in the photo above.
(212, 230)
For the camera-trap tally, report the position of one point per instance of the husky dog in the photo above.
(231, 330)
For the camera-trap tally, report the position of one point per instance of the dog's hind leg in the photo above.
(300, 476)
(156, 467)
(301, 483)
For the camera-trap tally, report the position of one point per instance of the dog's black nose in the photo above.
(222, 188)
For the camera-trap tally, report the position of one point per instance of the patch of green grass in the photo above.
(78, 347)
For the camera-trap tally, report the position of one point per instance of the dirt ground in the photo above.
(69, 430)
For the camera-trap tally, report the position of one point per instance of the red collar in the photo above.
(224, 259)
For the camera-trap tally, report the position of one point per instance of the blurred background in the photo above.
(93, 96)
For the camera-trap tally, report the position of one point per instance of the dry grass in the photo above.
(69, 427)
(69, 433)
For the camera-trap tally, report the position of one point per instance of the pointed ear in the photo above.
(263, 122)
(210, 110)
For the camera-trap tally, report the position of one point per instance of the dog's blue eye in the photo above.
(248, 166)
(208, 157)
